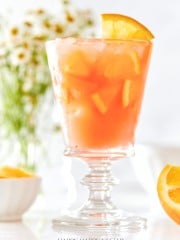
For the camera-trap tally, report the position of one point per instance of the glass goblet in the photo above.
(99, 85)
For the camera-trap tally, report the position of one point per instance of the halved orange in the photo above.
(13, 172)
(168, 188)
(117, 26)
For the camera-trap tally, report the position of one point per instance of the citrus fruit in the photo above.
(117, 26)
(168, 188)
(13, 172)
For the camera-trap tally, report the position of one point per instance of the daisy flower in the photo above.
(20, 56)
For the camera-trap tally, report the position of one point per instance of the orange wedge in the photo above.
(13, 172)
(117, 26)
(168, 188)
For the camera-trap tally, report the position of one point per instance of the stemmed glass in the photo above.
(99, 87)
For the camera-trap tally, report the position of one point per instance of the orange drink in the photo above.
(100, 85)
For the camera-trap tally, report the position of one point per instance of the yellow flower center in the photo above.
(21, 55)
(28, 24)
(14, 31)
(69, 17)
(58, 28)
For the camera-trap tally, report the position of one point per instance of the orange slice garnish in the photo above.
(13, 172)
(117, 26)
(168, 188)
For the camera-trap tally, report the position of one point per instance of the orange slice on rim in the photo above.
(117, 26)
(168, 188)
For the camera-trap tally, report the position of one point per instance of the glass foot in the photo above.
(98, 223)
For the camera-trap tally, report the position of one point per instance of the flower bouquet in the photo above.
(24, 73)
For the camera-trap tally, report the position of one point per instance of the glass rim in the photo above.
(87, 40)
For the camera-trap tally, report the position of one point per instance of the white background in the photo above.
(160, 118)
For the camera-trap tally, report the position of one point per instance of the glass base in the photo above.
(116, 223)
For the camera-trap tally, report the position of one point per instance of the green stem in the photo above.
(26, 162)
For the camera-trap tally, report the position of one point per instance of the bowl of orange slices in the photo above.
(18, 191)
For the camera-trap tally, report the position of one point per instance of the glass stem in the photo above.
(99, 180)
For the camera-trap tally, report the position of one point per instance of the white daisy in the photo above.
(20, 56)
(13, 35)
